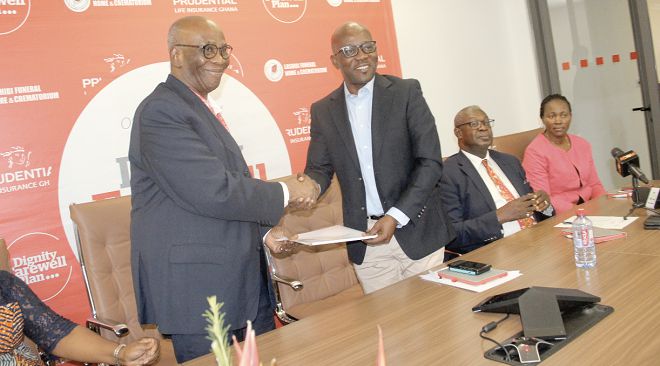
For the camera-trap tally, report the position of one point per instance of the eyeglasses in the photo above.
(475, 124)
(210, 50)
(351, 50)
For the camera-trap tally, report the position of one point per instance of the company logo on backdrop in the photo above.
(20, 176)
(107, 121)
(286, 11)
(275, 70)
(17, 156)
(77, 5)
(116, 61)
(43, 268)
(300, 133)
(25, 94)
(81, 5)
(205, 6)
(13, 14)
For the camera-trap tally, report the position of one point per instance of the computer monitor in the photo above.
(540, 308)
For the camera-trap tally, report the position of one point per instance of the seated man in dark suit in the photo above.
(484, 191)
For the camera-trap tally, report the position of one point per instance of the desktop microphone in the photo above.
(628, 163)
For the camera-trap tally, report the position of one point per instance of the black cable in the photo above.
(506, 352)
(490, 326)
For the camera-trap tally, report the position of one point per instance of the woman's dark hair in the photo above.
(552, 97)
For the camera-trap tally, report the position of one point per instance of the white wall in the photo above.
(602, 96)
(471, 52)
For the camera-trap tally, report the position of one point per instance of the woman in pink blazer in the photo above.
(560, 163)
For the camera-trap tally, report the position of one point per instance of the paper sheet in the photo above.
(605, 222)
(433, 277)
(331, 235)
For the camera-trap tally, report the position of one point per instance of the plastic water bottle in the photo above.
(583, 241)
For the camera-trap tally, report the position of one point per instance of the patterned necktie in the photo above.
(506, 194)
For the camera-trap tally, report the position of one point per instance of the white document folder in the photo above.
(331, 235)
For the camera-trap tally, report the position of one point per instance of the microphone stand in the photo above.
(635, 197)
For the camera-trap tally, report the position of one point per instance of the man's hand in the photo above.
(519, 208)
(278, 241)
(303, 191)
(541, 201)
(384, 228)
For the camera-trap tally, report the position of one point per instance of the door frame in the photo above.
(648, 77)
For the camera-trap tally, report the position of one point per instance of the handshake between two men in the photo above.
(303, 193)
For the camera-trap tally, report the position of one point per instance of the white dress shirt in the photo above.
(508, 228)
(359, 113)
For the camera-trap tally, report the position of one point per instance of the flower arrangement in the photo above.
(248, 355)
(218, 332)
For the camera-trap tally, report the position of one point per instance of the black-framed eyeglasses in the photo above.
(210, 50)
(474, 124)
(351, 50)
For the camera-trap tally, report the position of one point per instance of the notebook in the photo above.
(600, 235)
(480, 279)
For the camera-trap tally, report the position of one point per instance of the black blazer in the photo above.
(469, 203)
(195, 222)
(407, 163)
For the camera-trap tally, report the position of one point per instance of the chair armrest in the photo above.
(119, 329)
(293, 283)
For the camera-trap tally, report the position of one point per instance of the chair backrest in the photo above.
(515, 144)
(325, 271)
(103, 239)
(4, 256)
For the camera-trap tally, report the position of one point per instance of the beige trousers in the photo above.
(385, 264)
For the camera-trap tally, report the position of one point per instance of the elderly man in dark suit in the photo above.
(485, 192)
(377, 134)
(198, 215)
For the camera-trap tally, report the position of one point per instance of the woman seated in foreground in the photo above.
(561, 163)
(22, 313)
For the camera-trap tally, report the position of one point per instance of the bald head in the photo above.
(475, 140)
(185, 27)
(466, 113)
(188, 40)
(345, 30)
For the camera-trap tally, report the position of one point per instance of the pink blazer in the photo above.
(564, 175)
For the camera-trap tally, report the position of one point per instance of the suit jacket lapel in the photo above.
(339, 114)
(203, 111)
(382, 103)
(469, 170)
(511, 173)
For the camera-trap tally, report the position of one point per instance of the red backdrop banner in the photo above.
(74, 71)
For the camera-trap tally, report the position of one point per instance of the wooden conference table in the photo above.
(426, 323)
